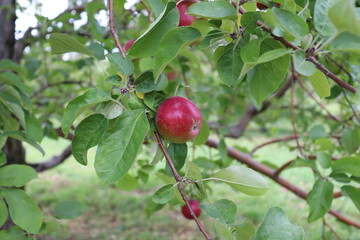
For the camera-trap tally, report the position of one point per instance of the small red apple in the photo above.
(178, 120)
(186, 20)
(172, 75)
(194, 206)
(128, 44)
(261, 6)
(277, 5)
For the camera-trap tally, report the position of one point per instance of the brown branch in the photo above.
(112, 28)
(57, 84)
(52, 162)
(283, 167)
(179, 180)
(331, 229)
(312, 59)
(269, 172)
(276, 140)
(315, 99)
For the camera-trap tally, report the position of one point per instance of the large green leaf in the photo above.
(349, 165)
(87, 135)
(22, 137)
(7, 64)
(265, 78)
(291, 22)
(178, 154)
(346, 41)
(302, 66)
(320, 84)
(353, 193)
(122, 65)
(164, 194)
(16, 175)
(119, 146)
(33, 128)
(229, 65)
(3, 212)
(276, 226)
(223, 231)
(321, 19)
(213, 10)
(203, 135)
(320, 199)
(149, 42)
(351, 139)
(171, 44)
(62, 43)
(23, 210)
(157, 6)
(242, 179)
(244, 231)
(146, 82)
(349, 21)
(75, 106)
(69, 209)
(222, 210)
(15, 80)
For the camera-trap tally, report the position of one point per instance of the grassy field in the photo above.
(115, 215)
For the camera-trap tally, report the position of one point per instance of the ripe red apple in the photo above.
(128, 44)
(277, 5)
(186, 20)
(261, 6)
(178, 120)
(194, 206)
(172, 75)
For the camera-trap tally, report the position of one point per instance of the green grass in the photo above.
(115, 214)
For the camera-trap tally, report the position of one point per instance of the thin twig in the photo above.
(351, 106)
(331, 229)
(276, 140)
(283, 167)
(179, 179)
(112, 28)
(315, 99)
(312, 59)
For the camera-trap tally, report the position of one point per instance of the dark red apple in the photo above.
(172, 75)
(185, 20)
(261, 6)
(178, 120)
(128, 44)
(194, 206)
(277, 5)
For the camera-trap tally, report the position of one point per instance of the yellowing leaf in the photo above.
(140, 95)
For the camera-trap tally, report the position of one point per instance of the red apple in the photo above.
(172, 76)
(277, 5)
(128, 44)
(194, 206)
(178, 120)
(185, 20)
(261, 6)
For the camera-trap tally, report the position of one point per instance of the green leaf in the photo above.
(351, 139)
(146, 82)
(121, 65)
(350, 21)
(244, 231)
(265, 78)
(352, 192)
(119, 145)
(270, 55)
(203, 135)
(229, 65)
(152, 207)
(346, 41)
(33, 128)
(23, 210)
(291, 22)
(211, 37)
(171, 44)
(3, 212)
(222, 210)
(62, 43)
(320, 199)
(242, 179)
(14, 233)
(302, 66)
(349, 165)
(213, 10)
(164, 194)
(127, 183)
(276, 226)
(178, 154)
(3, 159)
(149, 42)
(14, 80)
(320, 84)
(97, 50)
(7, 64)
(87, 135)
(223, 231)
(317, 131)
(156, 6)
(153, 99)
(324, 159)
(69, 209)
(111, 109)
(321, 19)
(16, 175)
(77, 105)
(22, 137)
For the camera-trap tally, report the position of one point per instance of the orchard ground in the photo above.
(115, 215)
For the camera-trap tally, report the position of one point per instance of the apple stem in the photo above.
(112, 28)
(179, 180)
